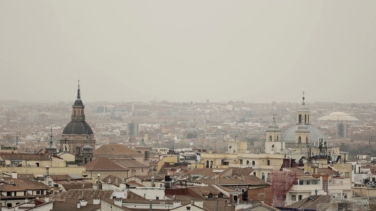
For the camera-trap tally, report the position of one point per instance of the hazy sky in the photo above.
(255, 51)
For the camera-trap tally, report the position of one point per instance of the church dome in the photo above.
(77, 128)
(273, 128)
(338, 116)
(78, 102)
(289, 134)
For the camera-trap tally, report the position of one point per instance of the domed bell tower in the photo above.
(77, 134)
(273, 143)
(302, 134)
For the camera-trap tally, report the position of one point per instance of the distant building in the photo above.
(133, 129)
(342, 129)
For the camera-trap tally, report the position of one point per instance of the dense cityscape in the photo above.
(169, 105)
(187, 156)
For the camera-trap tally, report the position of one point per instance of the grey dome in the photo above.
(273, 128)
(87, 148)
(289, 134)
(78, 102)
(78, 128)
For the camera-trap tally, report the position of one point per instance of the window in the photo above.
(293, 197)
(268, 162)
(325, 186)
(38, 192)
(210, 195)
(263, 176)
(253, 163)
(188, 208)
(300, 140)
(347, 174)
(300, 197)
(9, 193)
(157, 198)
(254, 173)
(270, 138)
(306, 140)
(247, 162)
(300, 182)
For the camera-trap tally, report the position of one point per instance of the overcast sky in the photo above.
(255, 51)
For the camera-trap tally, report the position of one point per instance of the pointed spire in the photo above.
(51, 138)
(303, 103)
(78, 91)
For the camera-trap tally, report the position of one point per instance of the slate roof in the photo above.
(77, 127)
(311, 202)
(103, 164)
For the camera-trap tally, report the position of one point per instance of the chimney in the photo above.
(46, 199)
(78, 205)
(14, 175)
(152, 181)
(96, 201)
(99, 182)
(83, 203)
(118, 202)
(47, 171)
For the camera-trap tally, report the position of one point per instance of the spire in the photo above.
(303, 103)
(78, 91)
(51, 138)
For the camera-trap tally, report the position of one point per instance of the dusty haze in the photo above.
(255, 51)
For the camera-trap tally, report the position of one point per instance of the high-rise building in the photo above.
(342, 129)
(133, 129)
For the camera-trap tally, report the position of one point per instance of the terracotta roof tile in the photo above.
(114, 150)
(104, 164)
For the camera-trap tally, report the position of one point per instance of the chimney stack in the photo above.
(47, 171)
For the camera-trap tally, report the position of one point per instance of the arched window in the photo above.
(270, 138)
(247, 162)
(220, 195)
(263, 176)
(211, 164)
(253, 163)
(254, 173)
(210, 195)
(300, 140)
(207, 164)
(268, 162)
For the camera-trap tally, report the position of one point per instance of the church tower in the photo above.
(302, 134)
(273, 142)
(77, 133)
(51, 148)
(87, 153)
